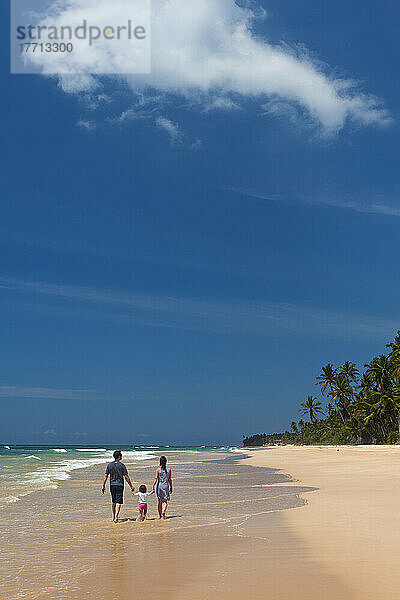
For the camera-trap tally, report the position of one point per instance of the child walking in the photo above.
(142, 493)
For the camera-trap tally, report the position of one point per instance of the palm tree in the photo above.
(311, 407)
(293, 427)
(394, 358)
(327, 377)
(375, 410)
(379, 370)
(349, 369)
(366, 382)
(342, 393)
(354, 429)
(386, 410)
(330, 409)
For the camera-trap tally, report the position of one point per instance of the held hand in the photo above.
(103, 489)
(132, 490)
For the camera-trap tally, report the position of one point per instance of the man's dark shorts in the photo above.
(117, 494)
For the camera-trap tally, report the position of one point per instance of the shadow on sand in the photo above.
(128, 520)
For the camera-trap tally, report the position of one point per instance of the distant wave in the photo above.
(137, 454)
(49, 475)
(7, 447)
(59, 450)
(33, 456)
(91, 449)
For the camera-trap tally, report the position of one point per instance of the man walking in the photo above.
(117, 472)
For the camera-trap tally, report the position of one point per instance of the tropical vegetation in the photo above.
(354, 408)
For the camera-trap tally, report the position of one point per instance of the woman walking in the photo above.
(163, 481)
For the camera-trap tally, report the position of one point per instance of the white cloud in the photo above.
(375, 205)
(145, 106)
(221, 103)
(88, 125)
(175, 134)
(51, 393)
(207, 52)
(23, 391)
(244, 317)
(172, 129)
(131, 115)
(53, 432)
(50, 432)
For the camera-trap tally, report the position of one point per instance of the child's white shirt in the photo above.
(142, 497)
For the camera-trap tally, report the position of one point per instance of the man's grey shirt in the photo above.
(116, 470)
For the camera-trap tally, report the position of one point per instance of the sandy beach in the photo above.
(299, 522)
(351, 523)
(225, 536)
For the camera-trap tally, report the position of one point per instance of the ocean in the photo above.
(28, 469)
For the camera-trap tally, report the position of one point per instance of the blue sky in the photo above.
(178, 261)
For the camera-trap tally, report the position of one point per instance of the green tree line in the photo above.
(354, 407)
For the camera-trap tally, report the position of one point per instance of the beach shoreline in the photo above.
(351, 522)
(300, 522)
(225, 536)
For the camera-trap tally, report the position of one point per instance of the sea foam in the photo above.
(52, 471)
(11, 499)
(91, 449)
(50, 474)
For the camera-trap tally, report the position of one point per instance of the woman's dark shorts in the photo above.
(117, 494)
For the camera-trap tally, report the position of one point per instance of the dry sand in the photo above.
(351, 524)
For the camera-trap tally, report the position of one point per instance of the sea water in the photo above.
(28, 469)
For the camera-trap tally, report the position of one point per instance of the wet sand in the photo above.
(351, 524)
(227, 536)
